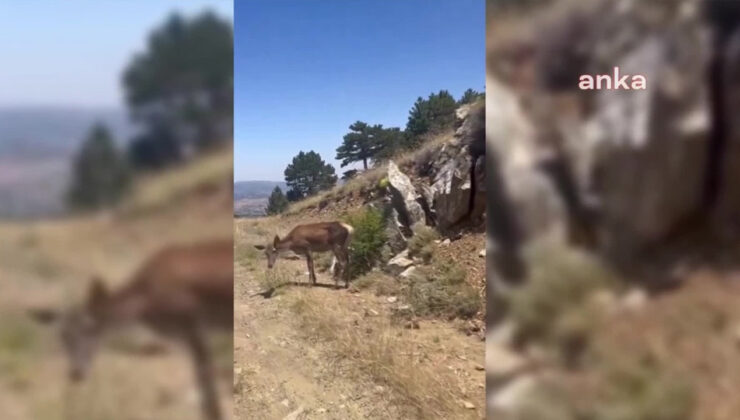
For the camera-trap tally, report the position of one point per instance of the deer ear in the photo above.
(275, 242)
(260, 247)
(97, 292)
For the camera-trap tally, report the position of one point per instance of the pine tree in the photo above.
(433, 114)
(367, 142)
(359, 145)
(100, 175)
(470, 96)
(277, 203)
(307, 175)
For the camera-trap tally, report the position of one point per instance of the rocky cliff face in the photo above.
(615, 170)
(445, 187)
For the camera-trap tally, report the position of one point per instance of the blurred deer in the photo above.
(315, 237)
(180, 293)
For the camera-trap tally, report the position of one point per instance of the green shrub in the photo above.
(644, 390)
(367, 241)
(441, 290)
(619, 390)
(560, 282)
(422, 243)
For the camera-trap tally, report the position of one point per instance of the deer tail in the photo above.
(350, 231)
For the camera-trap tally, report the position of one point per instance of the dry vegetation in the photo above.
(371, 179)
(338, 354)
(48, 265)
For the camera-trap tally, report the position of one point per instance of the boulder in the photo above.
(399, 263)
(452, 190)
(404, 197)
(526, 199)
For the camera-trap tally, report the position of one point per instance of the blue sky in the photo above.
(73, 53)
(306, 70)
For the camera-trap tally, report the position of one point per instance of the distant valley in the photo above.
(37, 145)
(250, 197)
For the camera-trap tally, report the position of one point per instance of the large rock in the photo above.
(632, 164)
(651, 146)
(452, 190)
(404, 197)
(458, 186)
(525, 197)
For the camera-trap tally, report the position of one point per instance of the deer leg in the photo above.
(343, 258)
(336, 266)
(204, 373)
(309, 263)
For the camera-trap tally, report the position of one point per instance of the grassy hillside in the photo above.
(48, 265)
(381, 349)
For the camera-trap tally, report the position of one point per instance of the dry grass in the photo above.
(152, 192)
(378, 282)
(370, 179)
(48, 264)
(422, 244)
(441, 290)
(376, 349)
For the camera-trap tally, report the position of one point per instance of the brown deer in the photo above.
(315, 237)
(179, 292)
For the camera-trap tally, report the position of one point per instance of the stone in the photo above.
(408, 273)
(404, 197)
(468, 405)
(399, 263)
(392, 299)
(512, 396)
(634, 300)
(452, 189)
(502, 364)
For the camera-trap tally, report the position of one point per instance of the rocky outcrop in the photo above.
(616, 170)
(452, 190)
(404, 198)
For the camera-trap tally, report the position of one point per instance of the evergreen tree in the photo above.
(183, 80)
(277, 203)
(359, 145)
(367, 142)
(100, 176)
(433, 114)
(470, 96)
(389, 140)
(307, 175)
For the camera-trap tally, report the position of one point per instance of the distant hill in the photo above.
(250, 197)
(36, 149)
(55, 131)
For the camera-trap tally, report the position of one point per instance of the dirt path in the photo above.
(328, 361)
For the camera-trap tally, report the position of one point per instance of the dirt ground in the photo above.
(326, 353)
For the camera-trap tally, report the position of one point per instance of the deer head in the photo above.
(271, 251)
(80, 328)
